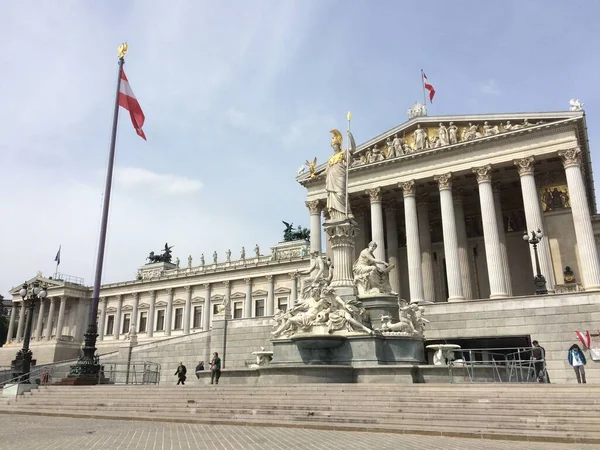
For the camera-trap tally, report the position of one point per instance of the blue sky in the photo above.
(237, 95)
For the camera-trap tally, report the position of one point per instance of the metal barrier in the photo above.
(498, 365)
(113, 372)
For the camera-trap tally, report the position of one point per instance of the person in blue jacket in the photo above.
(577, 360)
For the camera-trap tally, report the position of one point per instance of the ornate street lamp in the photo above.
(539, 281)
(22, 363)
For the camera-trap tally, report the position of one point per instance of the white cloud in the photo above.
(136, 177)
(490, 87)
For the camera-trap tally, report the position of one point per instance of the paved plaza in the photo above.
(21, 432)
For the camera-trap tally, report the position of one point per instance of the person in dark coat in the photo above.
(539, 356)
(199, 368)
(180, 372)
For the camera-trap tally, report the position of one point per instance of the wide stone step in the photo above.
(457, 429)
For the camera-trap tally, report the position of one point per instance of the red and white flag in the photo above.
(428, 86)
(128, 101)
(585, 338)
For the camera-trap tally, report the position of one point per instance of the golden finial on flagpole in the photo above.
(122, 50)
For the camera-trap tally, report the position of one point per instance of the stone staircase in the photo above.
(556, 413)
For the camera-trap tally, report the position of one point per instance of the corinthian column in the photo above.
(206, 308)
(270, 295)
(377, 222)
(453, 274)
(425, 244)
(39, 324)
(502, 238)
(117, 329)
(169, 313)
(315, 207)
(463, 247)
(533, 217)
(187, 313)
(392, 244)
(491, 239)
(134, 313)
(151, 309)
(248, 300)
(61, 317)
(413, 250)
(11, 324)
(588, 254)
(294, 290)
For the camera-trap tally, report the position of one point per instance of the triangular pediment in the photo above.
(49, 282)
(237, 295)
(161, 303)
(217, 298)
(282, 290)
(143, 306)
(259, 293)
(127, 308)
(198, 300)
(179, 301)
(431, 134)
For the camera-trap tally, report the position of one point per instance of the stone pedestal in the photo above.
(341, 235)
(378, 305)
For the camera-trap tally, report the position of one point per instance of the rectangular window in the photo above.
(282, 303)
(126, 323)
(110, 325)
(197, 316)
(237, 310)
(216, 308)
(160, 320)
(143, 320)
(178, 318)
(259, 308)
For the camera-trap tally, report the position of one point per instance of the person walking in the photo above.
(577, 360)
(539, 356)
(215, 369)
(180, 372)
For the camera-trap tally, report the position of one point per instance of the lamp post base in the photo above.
(87, 370)
(21, 366)
(540, 285)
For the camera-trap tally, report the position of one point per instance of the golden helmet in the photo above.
(336, 138)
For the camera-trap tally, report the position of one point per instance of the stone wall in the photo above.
(552, 320)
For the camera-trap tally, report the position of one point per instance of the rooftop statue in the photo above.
(575, 105)
(165, 256)
(290, 235)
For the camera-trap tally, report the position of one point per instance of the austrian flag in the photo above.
(128, 101)
(428, 86)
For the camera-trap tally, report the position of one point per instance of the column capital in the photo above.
(248, 280)
(525, 165)
(136, 295)
(206, 285)
(293, 275)
(423, 200)
(483, 173)
(374, 195)
(444, 181)
(408, 188)
(187, 288)
(570, 157)
(152, 293)
(314, 206)
(117, 298)
(269, 278)
(100, 300)
(226, 283)
(169, 291)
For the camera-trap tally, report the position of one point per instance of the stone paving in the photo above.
(19, 432)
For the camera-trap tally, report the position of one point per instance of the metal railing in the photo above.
(113, 372)
(498, 365)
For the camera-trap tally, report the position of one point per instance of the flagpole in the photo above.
(86, 366)
(423, 86)
(349, 117)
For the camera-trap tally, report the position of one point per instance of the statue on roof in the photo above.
(417, 110)
(165, 256)
(575, 105)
